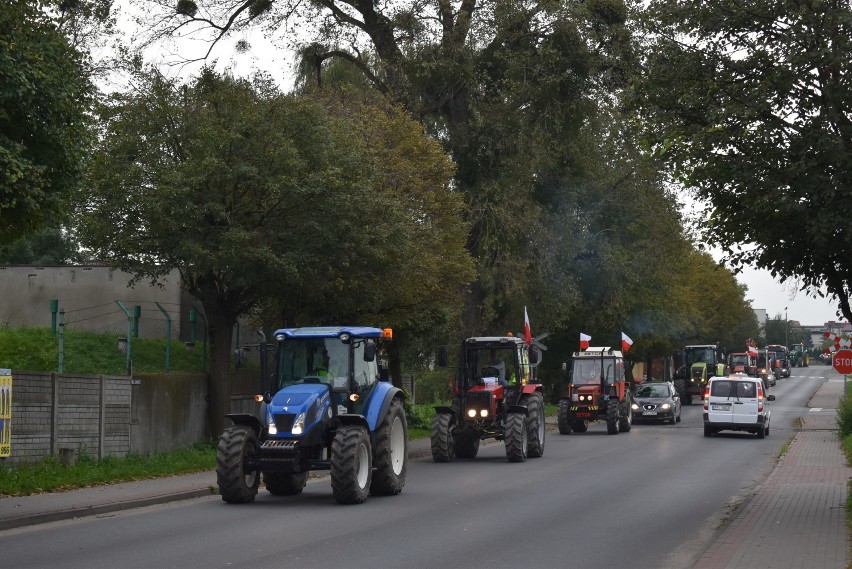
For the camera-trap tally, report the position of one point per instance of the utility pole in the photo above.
(786, 328)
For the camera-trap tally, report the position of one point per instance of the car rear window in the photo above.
(733, 389)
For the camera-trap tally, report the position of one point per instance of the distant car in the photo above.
(736, 402)
(656, 401)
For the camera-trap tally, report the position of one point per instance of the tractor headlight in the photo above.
(483, 413)
(665, 405)
(271, 428)
(299, 424)
(471, 413)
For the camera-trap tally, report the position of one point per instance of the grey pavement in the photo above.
(797, 517)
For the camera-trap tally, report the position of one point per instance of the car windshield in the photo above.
(700, 355)
(657, 390)
(739, 360)
(313, 360)
(587, 371)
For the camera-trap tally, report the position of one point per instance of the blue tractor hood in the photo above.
(312, 399)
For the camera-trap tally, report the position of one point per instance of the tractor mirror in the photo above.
(535, 356)
(442, 356)
(369, 352)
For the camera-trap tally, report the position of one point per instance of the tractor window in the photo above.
(700, 355)
(366, 373)
(587, 371)
(739, 360)
(312, 360)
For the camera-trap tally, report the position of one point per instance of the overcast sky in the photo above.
(767, 293)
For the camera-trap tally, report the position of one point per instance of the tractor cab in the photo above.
(743, 362)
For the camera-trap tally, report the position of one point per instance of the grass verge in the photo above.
(49, 475)
(844, 425)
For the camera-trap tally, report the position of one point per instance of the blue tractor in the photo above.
(324, 407)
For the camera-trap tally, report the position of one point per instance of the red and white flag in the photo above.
(584, 341)
(626, 342)
(752, 351)
(527, 330)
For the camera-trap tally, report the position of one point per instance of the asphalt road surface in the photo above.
(650, 498)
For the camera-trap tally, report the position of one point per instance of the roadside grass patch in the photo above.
(49, 475)
(844, 425)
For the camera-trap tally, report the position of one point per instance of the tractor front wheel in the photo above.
(351, 464)
(563, 420)
(625, 422)
(516, 437)
(535, 424)
(236, 486)
(612, 418)
(284, 484)
(391, 452)
(466, 443)
(442, 438)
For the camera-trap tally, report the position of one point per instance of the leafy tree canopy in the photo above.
(751, 103)
(44, 100)
(255, 195)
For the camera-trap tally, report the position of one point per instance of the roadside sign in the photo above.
(842, 361)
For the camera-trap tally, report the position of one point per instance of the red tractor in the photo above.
(498, 396)
(597, 391)
(743, 362)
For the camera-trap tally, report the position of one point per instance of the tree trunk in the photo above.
(221, 331)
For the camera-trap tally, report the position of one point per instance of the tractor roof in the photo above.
(702, 346)
(330, 332)
(490, 341)
(595, 352)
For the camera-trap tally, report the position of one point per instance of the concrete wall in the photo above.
(50, 411)
(169, 412)
(87, 294)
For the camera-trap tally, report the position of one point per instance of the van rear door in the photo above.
(721, 402)
(745, 402)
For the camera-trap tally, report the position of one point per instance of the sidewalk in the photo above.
(42, 508)
(797, 518)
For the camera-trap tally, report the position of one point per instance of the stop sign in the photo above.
(842, 361)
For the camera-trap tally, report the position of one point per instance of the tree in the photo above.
(507, 88)
(48, 246)
(255, 195)
(751, 105)
(45, 97)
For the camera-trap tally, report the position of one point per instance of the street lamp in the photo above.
(786, 328)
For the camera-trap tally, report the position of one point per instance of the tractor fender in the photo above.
(519, 409)
(442, 409)
(379, 402)
(248, 421)
(532, 388)
(352, 419)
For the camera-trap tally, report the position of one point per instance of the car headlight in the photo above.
(635, 406)
(665, 406)
(299, 424)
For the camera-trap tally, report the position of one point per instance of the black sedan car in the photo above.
(656, 401)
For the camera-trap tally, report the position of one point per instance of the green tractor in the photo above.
(799, 356)
(700, 363)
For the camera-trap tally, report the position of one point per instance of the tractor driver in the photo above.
(494, 361)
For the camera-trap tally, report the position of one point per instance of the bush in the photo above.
(433, 386)
(844, 416)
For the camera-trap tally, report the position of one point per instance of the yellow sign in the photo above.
(5, 412)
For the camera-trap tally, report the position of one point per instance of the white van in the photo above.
(736, 402)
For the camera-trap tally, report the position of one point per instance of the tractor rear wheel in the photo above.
(284, 484)
(391, 452)
(236, 486)
(466, 443)
(580, 426)
(562, 417)
(625, 422)
(516, 437)
(612, 418)
(442, 438)
(351, 464)
(535, 424)
(682, 391)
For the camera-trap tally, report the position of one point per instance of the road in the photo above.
(650, 498)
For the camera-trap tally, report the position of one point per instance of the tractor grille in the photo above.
(279, 445)
(478, 400)
(284, 421)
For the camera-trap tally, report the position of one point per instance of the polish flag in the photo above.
(527, 330)
(584, 341)
(752, 351)
(626, 342)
